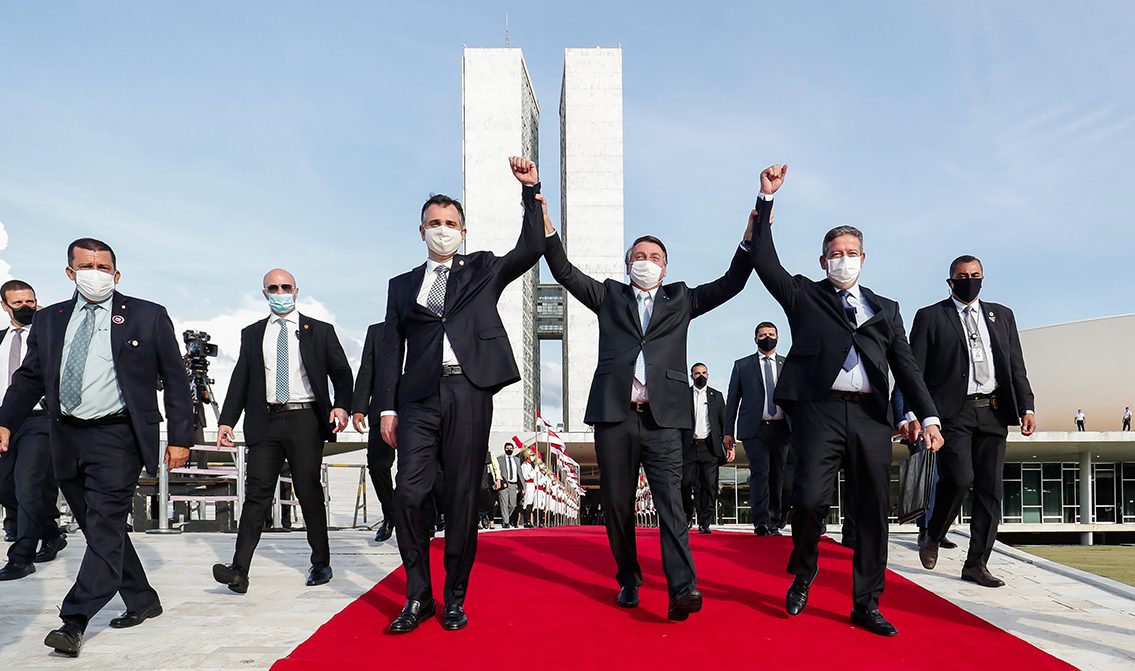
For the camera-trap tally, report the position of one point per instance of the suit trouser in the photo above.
(101, 496)
(768, 453)
(620, 447)
(35, 489)
(827, 433)
(293, 435)
(700, 473)
(974, 454)
(380, 458)
(508, 502)
(1126, 423)
(449, 427)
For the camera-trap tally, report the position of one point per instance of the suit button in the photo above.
(846, 350)
(443, 320)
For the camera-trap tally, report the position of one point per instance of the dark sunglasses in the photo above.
(278, 288)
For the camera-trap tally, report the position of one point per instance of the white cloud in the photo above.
(551, 392)
(4, 266)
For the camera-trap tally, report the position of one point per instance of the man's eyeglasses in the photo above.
(279, 288)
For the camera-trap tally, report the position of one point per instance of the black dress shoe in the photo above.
(947, 544)
(14, 571)
(50, 549)
(928, 555)
(797, 596)
(685, 602)
(454, 618)
(133, 618)
(761, 530)
(874, 622)
(384, 532)
(415, 613)
(318, 575)
(628, 597)
(10, 536)
(704, 529)
(774, 531)
(67, 640)
(981, 576)
(233, 576)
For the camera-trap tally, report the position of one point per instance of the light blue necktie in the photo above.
(282, 392)
(71, 383)
(644, 317)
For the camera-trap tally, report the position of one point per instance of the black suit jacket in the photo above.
(664, 343)
(414, 333)
(822, 335)
(322, 356)
(716, 403)
(941, 350)
(745, 405)
(365, 398)
(145, 353)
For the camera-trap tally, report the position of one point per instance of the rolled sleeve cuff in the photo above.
(764, 196)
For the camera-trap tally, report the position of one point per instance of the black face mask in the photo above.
(766, 344)
(700, 381)
(23, 315)
(508, 452)
(966, 289)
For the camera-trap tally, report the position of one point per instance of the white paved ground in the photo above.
(1085, 620)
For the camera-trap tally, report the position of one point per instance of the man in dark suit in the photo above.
(846, 340)
(27, 483)
(96, 361)
(753, 417)
(380, 456)
(970, 355)
(703, 448)
(442, 321)
(639, 402)
(280, 385)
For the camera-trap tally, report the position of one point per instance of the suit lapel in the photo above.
(258, 344)
(455, 285)
(950, 311)
(872, 300)
(836, 302)
(413, 284)
(306, 343)
(632, 304)
(990, 317)
(119, 320)
(661, 304)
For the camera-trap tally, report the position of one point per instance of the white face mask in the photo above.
(646, 274)
(443, 240)
(844, 271)
(94, 285)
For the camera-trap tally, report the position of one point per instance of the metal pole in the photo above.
(163, 498)
(1086, 495)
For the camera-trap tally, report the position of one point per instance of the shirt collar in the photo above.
(853, 290)
(962, 306)
(431, 265)
(638, 292)
(292, 317)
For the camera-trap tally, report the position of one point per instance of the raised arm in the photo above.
(706, 297)
(586, 289)
(530, 246)
(776, 279)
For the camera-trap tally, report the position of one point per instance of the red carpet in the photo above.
(544, 600)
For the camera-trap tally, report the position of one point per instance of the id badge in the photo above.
(978, 354)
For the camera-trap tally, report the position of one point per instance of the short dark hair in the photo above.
(964, 258)
(840, 231)
(444, 201)
(14, 285)
(648, 238)
(91, 245)
(699, 364)
(765, 325)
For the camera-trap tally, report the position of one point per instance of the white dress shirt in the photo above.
(639, 393)
(856, 378)
(299, 388)
(982, 330)
(448, 358)
(701, 412)
(775, 375)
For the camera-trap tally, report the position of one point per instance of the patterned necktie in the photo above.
(849, 310)
(14, 358)
(770, 406)
(644, 317)
(980, 368)
(283, 393)
(436, 300)
(71, 382)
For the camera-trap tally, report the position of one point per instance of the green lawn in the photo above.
(1110, 561)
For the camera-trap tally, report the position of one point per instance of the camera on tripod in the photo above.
(198, 349)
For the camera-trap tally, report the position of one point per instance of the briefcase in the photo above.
(916, 484)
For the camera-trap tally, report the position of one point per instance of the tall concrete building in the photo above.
(501, 118)
(591, 202)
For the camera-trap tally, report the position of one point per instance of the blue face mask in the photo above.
(282, 304)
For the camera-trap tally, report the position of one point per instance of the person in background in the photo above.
(1079, 420)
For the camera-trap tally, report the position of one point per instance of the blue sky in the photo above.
(209, 142)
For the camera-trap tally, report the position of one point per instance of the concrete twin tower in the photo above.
(501, 118)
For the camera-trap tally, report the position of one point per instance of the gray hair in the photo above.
(839, 231)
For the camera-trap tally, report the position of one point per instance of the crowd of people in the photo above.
(88, 365)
